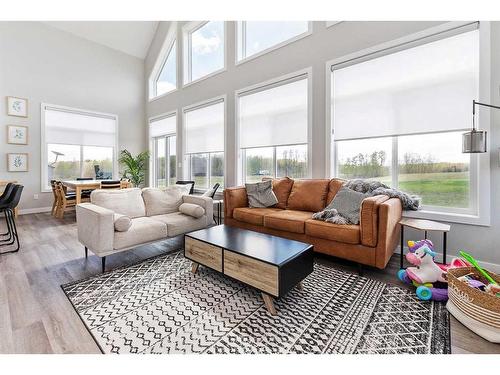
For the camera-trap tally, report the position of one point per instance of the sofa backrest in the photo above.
(281, 188)
(308, 195)
(127, 202)
(333, 188)
(164, 201)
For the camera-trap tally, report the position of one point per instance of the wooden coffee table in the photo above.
(271, 264)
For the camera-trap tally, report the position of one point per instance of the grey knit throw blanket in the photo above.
(371, 188)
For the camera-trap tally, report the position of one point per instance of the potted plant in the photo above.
(135, 167)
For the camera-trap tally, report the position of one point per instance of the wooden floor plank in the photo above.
(38, 318)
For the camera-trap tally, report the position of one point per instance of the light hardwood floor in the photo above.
(36, 316)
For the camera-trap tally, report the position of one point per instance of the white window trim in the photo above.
(262, 86)
(480, 177)
(186, 165)
(240, 40)
(187, 30)
(161, 60)
(43, 146)
(152, 148)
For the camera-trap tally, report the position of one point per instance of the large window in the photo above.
(273, 129)
(163, 77)
(254, 37)
(204, 133)
(77, 143)
(398, 116)
(162, 133)
(204, 49)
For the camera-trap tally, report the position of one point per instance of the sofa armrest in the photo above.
(389, 213)
(233, 198)
(96, 227)
(369, 219)
(206, 202)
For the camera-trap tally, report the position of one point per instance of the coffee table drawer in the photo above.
(258, 274)
(203, 253)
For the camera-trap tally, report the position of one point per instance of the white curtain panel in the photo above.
(205, 128)
(275, 116)
(79, 128)
(423, 89)
(163, 126)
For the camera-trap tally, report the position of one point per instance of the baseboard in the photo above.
(494, 267)
(37, 210)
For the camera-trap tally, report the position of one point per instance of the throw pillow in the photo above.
(347, 202)
(122, 223)
(261, 194)
(191, 209)
(164, 201)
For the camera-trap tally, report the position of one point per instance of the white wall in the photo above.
(313, 51)
(47, 65)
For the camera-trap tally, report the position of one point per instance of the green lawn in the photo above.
(436, 189)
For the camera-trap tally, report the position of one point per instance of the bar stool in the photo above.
(6, 193)
(8, 206)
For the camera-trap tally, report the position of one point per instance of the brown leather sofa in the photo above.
(371, 243)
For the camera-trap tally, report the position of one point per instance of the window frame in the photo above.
(186, 164)
(187, 30)
(152, 145)
(44, 185)
(262, 86)
(480, 212)
(170, 41)
(240, 33)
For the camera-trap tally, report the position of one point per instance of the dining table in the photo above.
(82, 185)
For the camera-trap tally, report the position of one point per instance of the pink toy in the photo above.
(425, 270)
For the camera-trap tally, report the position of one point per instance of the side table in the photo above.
(426, 226)
(218, 204)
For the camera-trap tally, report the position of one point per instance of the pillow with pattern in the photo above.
(260, 194)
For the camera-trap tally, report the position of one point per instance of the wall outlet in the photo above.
(35, 196)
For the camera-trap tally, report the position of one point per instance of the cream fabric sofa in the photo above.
(154, 215)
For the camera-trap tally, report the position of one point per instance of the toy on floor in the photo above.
(492, 288)
(427, 276)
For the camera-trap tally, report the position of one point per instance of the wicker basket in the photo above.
(477, 310)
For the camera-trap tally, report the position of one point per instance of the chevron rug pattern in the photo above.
(159, 306)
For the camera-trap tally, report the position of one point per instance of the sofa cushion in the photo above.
(253, 215)
(260, 194)
(308, 195)
(288, 220)
(334, 232)
(126, 202)
(282, 188)
(178, 223)
(122, 223)
(333, 187)
(192, 209)
(143, 229)
(164, 201)
(347, 202)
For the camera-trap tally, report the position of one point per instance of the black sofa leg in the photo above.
(360, 269)
(86, 252)
(103, 260)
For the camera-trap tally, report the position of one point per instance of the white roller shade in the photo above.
(205, 128)
(275, 116)
(422, 89)
(79, 128)
(163, 126)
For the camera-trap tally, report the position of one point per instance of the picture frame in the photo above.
(17, 134)
(17, 162)
(17, 107)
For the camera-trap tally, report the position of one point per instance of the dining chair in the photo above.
(110, 184)
(7, 206)
(66, 200)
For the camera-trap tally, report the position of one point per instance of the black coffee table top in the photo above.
(265, 247)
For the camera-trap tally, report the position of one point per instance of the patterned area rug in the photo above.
(159, 306)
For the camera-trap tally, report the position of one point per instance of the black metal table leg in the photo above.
(402, 243)
(444, 247)
(425, 234)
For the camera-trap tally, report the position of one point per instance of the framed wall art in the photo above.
(17, 106)
(17, 134)
(17, 162)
